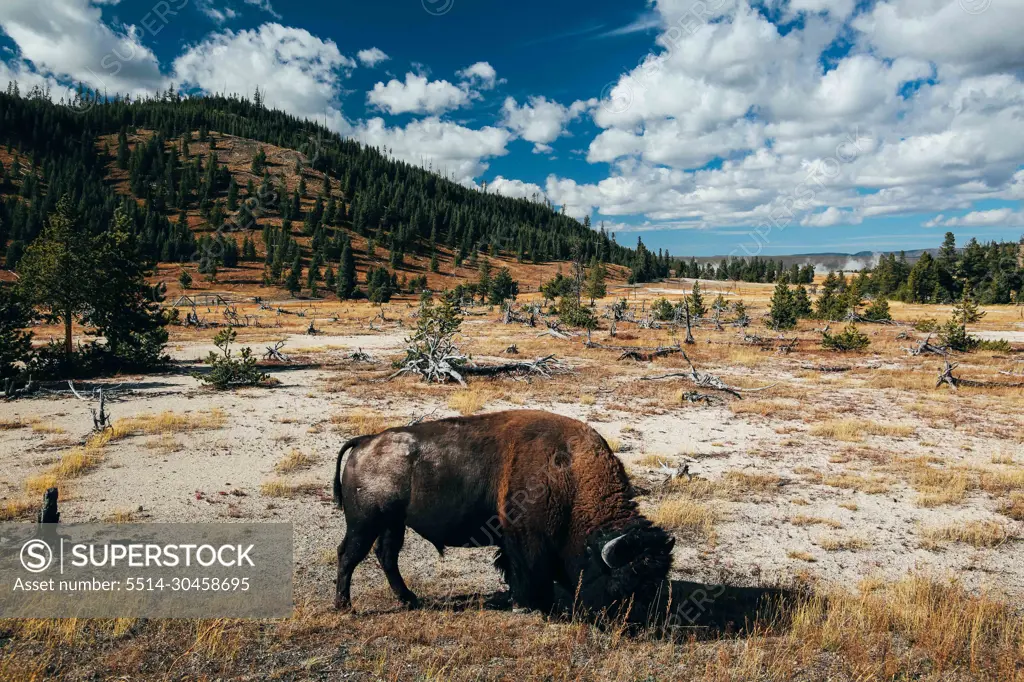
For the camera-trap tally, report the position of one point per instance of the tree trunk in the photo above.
(68, 349)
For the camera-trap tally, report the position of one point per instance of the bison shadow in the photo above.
(690, 609)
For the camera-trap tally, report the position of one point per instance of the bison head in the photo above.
(625, 569)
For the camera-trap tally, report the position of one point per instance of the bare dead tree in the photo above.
(274, 353)
(100, 418)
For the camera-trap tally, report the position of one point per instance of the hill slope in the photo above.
(210, 175)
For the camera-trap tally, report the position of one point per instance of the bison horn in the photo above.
(608, 550)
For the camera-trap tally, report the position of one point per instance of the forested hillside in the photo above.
(166, 154)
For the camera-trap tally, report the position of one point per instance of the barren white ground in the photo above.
(755, 537)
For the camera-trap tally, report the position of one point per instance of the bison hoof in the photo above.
(411, 603)
(343, 605)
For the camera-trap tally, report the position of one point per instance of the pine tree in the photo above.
(502, 288)
(15, 345)
(782, 310)
(802, 303)
(595, 286)
(292, 282)
(58, 269)
(697, 307)
(346, 273)
(125, 307)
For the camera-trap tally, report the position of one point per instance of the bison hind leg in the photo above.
(351, 551)
(389, 544)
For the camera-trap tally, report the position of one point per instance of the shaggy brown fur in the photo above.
(545, 489)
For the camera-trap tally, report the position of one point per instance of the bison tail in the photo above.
(337, 469)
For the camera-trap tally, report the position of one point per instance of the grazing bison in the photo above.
(545, 490)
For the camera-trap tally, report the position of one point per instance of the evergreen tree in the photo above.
(802, 303)
(185, 280)
(346, 273)
(696, 300)
(15, 345)
(502, 288)
(595, 286)
(293, 282)
(782, 309)
(57, 271)
(125, 307)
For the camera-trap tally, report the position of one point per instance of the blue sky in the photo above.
(703, 126)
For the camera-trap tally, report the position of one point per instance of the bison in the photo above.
(546, 490)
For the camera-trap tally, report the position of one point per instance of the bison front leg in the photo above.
(530, 580)
(351, 551)
(389, 544)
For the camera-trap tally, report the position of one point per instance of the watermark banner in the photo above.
(151, 570)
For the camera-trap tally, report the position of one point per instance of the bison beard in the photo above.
(545, 490)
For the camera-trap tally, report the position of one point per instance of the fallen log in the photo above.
(641, 356)
(946, 377)
(707, 380)
(926, 348)
(544, 367)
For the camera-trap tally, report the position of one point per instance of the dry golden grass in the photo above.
(842, 544)
(364, 422)
(871, 485)
(1013, 507)
(685, 515)
(12, 424)
(164, 445)
(279, 488)
(759, 483)
(72, 464)
(17, 510)
(1001, 481)
(470, 400)
(801, 520)
(852, 506)
(166, 423)
(854, 430)
(295, 460)
(975, 533)
(40, 427)
(801, 556)
(918, 628)
(779, 409)
(939, 486)
(121, 516)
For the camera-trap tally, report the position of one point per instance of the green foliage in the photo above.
(954, 336)
(15, 344)
(662, 309)
(558, 287)
(228, 371)
(802, 303)
(850, 339)
(125, 307)
(571, 313)
(346, 273)
(878, 311)
(595, 286)
(696, 300)
(926, 325)
(185, 280)
(502, 288)
(832, 304)
(380, 285)
(782, 309)
(57, 268)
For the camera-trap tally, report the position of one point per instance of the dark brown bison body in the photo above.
(546, 490)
